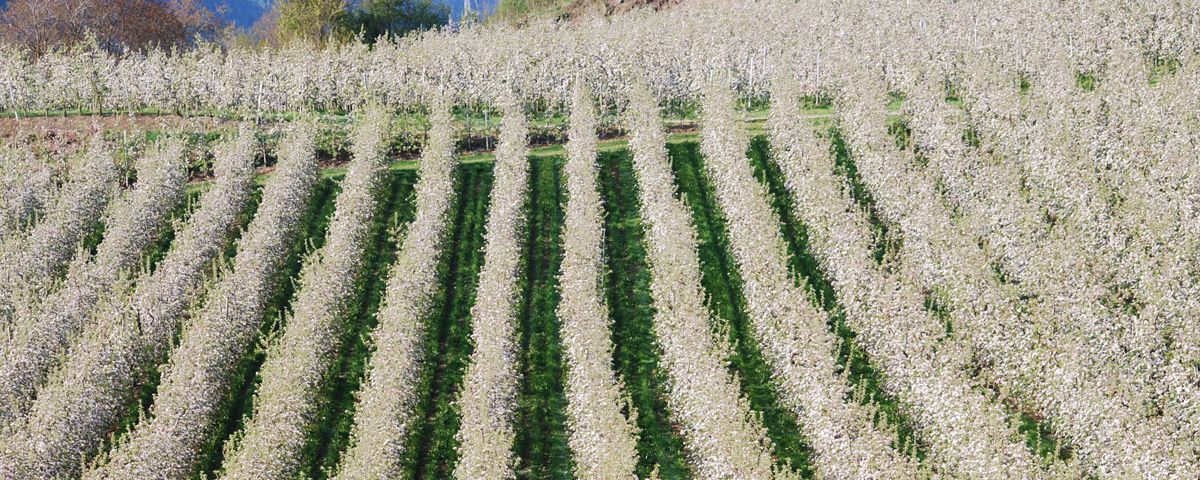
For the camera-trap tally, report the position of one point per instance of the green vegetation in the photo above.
(239, 403)
(518, 11)
(430, 451)
(863, 376)
(635, 357)
(377, 18)
(541, 443)
(885, 244)
(723, 285)
(143, 395)
(396, 209)
(541, 447)
(179, 214)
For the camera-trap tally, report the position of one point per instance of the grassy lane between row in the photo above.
(239, 401)
(885, 242)
(430, 449)
(723, 286)
(635, 355)
(158, 250)
(397, 207)
(541, 445)
(863, 376)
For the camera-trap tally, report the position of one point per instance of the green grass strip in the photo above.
(844, 166)
(862, 375)
(239, 403)
(541, 445)
(723, 285)
(430, 451)
(166, 235)
(635, 356)
(335, 418)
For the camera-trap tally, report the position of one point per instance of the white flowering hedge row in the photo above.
(1144, 166)
(29, 264)
(27, 185)
(383, 412)
(1112, 214)
(1086, 246)
(602, 438)
(1052, 207)
(132, 226)
(1110, 438)
(672, 49)
(789, 328)
(74, 412)
(167, 443)
(489, 392)
(723, 437)
(286, 402)
(472, 63)
(965, 432)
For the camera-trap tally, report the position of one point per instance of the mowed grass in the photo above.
(431, 448)
(239, 402)
(636, 352)
(723, 286)
(397, 207)
(541, 444)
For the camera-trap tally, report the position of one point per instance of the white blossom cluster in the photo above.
(788, 327)
(489, 392)
(73, 413)
(133, 225)
(966, 433)
(1112, 214)
(1148, 149)
(285, 405)
(29, 264)
(602, 438)
(166, 444)
(1110, 438)
(1083, 250)
(27, 186)
(383, 412)
(722, 436)
(670, 49)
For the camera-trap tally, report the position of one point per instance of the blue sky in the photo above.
(245, 12)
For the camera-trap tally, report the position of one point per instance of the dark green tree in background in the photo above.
(375, 18)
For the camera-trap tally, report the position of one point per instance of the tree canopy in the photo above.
(375, 18)
(116, 25)
(308, 20)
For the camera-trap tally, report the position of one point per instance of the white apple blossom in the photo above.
(166, 444)
(723, 437)
(383, 413)
(73, 413)
(286, 402)
(966, 433)
(602, 438)
(488, 400)
(788, 327)
(29, 264)
(27, 186)
(40, 337)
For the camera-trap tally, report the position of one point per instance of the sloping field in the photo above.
(729, 242)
